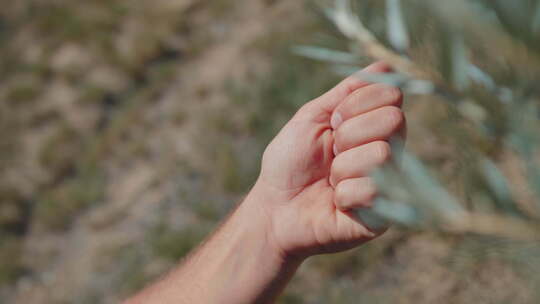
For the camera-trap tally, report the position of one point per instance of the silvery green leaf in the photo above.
(534, 179)
(398, 148)
(396, 27)
(498, 184)
(479, 76)
(371, 219)
(413, 86)
(328, 12)
(392, 79)
(420, 87)
(397, 212)
(342, 16)
(513, 14)
(483, 11)
(390, 183)
(431, 193)
(344, 70)
(324, 54)
(536, 19)
(460, 62)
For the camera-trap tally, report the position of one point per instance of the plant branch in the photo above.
(493, 225)
(350, 25)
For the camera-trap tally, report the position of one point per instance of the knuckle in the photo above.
(382, 151)
(370, 190)
(394, 117)
(393, 94)
(311, 111)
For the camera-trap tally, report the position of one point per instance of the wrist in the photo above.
(245, 259)
(261, 210)
(240, 263)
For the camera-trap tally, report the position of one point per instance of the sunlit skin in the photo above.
(314, 178)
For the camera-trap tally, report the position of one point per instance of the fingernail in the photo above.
(336, 120)
(335, 150)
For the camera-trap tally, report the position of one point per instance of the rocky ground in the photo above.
(130, 128)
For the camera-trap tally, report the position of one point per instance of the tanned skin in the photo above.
(314, 178)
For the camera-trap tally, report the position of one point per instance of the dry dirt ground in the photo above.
(131, 129)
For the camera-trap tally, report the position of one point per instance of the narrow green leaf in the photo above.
(430, 193)
(536, 20)
(422, 87)
(481, 77)
(344, 70)
(371, 219)
(397, 212)
(498, 184)
(396, 28)
(324, 54)
(393, 79)
(513, 14)
(460, 62)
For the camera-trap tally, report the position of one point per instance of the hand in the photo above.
(315, 173)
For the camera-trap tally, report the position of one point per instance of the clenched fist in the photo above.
(314, 179)
(315, 173)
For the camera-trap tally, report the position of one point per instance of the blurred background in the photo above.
(129, 129)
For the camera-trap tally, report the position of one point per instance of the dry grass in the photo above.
(137, 127)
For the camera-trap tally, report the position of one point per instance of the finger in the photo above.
(355, 193)
(364, 100)
(331, 99)
(379, 124)
(359, 161)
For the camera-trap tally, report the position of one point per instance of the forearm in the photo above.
(301, 204)
(238, 264)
